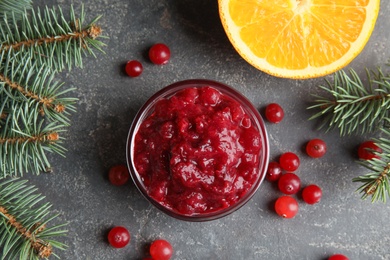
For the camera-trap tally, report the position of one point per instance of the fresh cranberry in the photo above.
(367, 150)
(316, 148)
(289, 161)
(161, 250)
(274, 171)
(274, 113)
(119, 175)
(286, 207)
(159, 54)
(133, 68)
(289, 183)
(312, 194)
(118, 237)
(338, 257)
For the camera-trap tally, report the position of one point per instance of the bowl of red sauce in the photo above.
(197, 150)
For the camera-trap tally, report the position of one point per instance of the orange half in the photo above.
(298, 38)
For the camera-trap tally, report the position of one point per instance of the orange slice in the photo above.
(298, 38)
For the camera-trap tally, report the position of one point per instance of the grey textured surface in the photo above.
(108, 100)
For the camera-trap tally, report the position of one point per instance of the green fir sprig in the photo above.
(34, 108)
(26, 82)
(25, 141)
(376, 182)
(24, 230)
(34, 112)
(353, 107)
(50, 39)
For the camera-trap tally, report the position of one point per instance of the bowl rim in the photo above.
(168, 91)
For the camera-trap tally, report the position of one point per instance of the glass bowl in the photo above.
(260, 164)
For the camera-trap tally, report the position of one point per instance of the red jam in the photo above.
(198, 152)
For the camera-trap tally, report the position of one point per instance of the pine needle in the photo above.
(16, 8)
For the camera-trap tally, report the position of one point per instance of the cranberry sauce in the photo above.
(198, 151)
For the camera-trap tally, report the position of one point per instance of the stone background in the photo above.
(108, 100)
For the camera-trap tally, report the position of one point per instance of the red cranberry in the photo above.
(119, 175)
(274, 171)
(289, 183)
(316, 148)
(118, 237)
(312, 194)
(286, 207)
(161, 250)
(133, 68)
(274, 113)
(159, 54)
(289, 161)
(366, 150)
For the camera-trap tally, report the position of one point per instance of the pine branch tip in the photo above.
(94, 31)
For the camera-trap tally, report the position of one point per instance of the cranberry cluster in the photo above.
(289, 183)
(284, 170)
(159, 54)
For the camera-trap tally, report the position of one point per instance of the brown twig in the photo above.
(92, 32)
(335, 102)
(370, 189)
(46, 102)
(51, 137)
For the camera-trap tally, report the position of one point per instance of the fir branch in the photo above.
(23, 223)
(43, 137)
(376, 182)
(25, 140)
(26, 82)
(50, 39)
(354, 107)
(33, 108)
